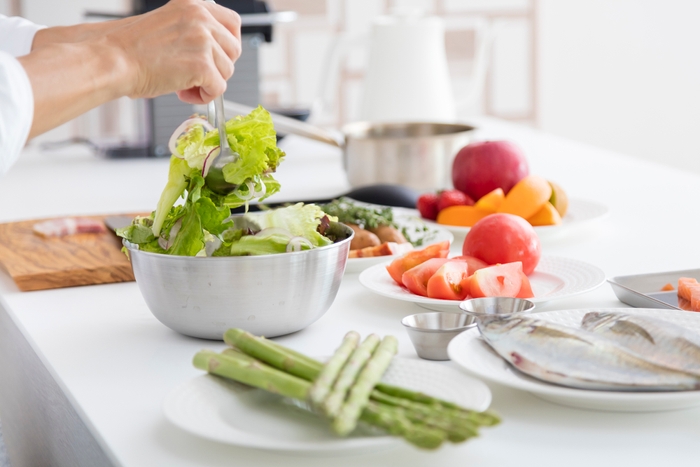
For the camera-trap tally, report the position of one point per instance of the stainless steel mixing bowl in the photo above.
(268, 295)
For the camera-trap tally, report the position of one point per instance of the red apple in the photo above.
(480, 168)
(503, 238)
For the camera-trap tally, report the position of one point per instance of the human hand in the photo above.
(186, 46)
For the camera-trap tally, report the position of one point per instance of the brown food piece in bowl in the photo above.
(363, 238)
(387, 233)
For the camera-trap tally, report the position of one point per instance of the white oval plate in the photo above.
(469, 351)
(554, 278)
(232, 413)
(403, 218)
(580, 213)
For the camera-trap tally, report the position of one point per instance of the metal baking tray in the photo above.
(644, 290)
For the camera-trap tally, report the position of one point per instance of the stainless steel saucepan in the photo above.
(417, 155)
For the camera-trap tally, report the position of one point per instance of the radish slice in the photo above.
(296, 242)
(183, 128)
(210, 157)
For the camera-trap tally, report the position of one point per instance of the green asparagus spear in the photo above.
(395, 423)
(311, 368)
(324, 381)
(458, 427)
(262, 349)
(369, 376)
(482, 418)
(245, 369)
(331, 406)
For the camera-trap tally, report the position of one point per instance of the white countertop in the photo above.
(116, 362)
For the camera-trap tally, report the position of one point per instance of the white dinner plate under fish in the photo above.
(579, 214)
(469, 351)
(409, 219)
(554, 278)
(236, 414)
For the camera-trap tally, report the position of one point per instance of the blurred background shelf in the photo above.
(617, 74)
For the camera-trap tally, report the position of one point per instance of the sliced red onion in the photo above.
(165, 244)
(249, 196)
(211, 156)
(263, 189)
(296, 242)
(183, 128)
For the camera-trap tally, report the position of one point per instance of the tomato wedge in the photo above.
(500, 280)
(416, 257)
(451, 281)
(525, 288)
(474, 263)
(416, 279)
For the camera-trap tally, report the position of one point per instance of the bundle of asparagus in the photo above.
(346, 389)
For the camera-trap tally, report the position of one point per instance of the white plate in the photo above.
(404, 218)
(553, 278)
(580, 213)
(470, 352)
(232, 413)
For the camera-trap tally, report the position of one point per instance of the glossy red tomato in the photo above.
(501, 280)
(416, 279)
(450, 282)
(416, 257)
(504, 238)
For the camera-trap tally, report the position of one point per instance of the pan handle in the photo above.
(288, 125)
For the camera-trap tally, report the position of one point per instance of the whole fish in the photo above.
(656, 340)
(577, 358)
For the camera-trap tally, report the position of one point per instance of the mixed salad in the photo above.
(202, 225)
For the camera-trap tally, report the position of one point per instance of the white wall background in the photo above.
(623, 74)
(620, 74)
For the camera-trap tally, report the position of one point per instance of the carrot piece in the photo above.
(668, 287)
(463, 216)
(383, 249)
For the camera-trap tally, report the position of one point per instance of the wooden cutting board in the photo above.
(38, 263)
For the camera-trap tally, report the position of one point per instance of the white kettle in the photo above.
(407, 77)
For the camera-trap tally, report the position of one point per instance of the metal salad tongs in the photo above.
(215, 176)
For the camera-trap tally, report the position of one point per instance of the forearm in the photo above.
(69, 79)
(186, 46)
(77, 33)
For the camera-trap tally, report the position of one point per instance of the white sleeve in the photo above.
(16, 110)
(17, 35)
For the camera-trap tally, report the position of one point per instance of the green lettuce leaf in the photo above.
(202, 222)
(301, 220)
(252, 245)
(178, 179)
